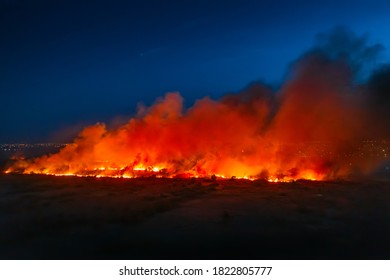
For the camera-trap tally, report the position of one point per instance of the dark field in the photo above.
(45, 217)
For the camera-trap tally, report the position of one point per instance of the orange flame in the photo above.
(301, 132)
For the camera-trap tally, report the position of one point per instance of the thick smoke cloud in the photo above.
(342, 44)
(378, 100)
(313, 127)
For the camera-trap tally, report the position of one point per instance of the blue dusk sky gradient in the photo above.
(66, 64)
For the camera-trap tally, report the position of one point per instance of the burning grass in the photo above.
(309, 129)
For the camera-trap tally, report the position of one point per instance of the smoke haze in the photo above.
(312, 127)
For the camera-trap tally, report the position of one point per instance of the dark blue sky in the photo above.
(65, 64)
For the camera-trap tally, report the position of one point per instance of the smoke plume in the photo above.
(313, 127)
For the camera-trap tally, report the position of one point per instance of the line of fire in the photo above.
(321, 124)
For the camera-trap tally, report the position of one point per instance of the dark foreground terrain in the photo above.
(45, 217)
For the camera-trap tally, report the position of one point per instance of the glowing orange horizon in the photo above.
(159, 172)
(156, 174)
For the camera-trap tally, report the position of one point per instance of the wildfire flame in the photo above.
(300, 132)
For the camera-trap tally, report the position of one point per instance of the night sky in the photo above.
(66, 64)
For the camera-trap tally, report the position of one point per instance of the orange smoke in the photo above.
(301, 132)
